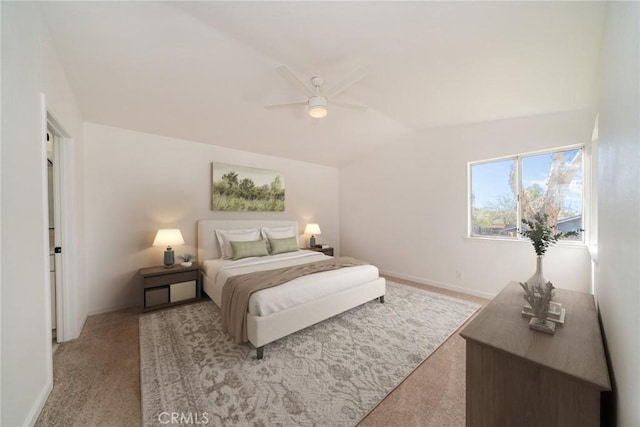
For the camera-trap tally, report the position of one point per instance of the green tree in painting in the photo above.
(277, 191)
(276, 184)
(234, 193)
(231, 178)
(246, 188)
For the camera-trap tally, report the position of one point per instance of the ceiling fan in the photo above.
(317, 100)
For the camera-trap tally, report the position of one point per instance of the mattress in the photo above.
(295, 292)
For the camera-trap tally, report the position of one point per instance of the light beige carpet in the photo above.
(330, 374)
(96, 380)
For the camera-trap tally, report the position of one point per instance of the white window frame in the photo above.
(586, 183)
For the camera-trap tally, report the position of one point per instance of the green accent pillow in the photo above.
(280, 246)
(241, 250)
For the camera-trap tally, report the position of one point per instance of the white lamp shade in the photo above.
(168, 237)
(312, 229)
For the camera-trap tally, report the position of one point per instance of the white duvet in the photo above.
(297, 291)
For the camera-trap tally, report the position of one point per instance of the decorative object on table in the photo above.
(542, 236)
(556, 312)
(187, 259)
(312, 229)
(539, 298)
(239, 188)
(167, 237)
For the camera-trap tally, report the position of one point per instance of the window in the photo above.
(505, 191)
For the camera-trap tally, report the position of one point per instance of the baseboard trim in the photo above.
(38, 405)
(437, 284)
(80, 326)
(110, 310)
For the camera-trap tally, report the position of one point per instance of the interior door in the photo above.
(55, 232)
(52, 244)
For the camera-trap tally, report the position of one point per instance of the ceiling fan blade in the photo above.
(285, 104)
(349, 81)
(356, 107)
(294, 80)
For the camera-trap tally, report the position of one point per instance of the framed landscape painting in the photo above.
(240, 189)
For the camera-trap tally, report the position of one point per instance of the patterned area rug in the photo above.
(330, 374)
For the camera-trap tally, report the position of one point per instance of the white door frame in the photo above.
(61, 209)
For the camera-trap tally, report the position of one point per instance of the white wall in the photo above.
(618, 268)
(62, 105)
(136, 183)
(29, 68)
(404, 207)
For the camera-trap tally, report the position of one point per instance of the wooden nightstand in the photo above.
(164, 287)
(326, 251)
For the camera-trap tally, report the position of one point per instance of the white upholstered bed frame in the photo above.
(262, 330)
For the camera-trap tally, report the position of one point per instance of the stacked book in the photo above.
(556, 312)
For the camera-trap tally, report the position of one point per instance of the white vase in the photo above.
(538, 278)
(186, 264)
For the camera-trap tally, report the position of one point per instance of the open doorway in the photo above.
(55, 172)
(51, 177)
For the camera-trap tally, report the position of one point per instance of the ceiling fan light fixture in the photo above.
(317, 101)
(317, 112)
(318, 107)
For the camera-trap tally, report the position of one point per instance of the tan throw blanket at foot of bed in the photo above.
(237, 290)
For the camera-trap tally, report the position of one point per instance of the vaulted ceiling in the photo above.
(203, 71)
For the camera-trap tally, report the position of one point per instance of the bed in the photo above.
(276, 312)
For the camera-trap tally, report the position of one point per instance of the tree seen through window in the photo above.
(507, 190)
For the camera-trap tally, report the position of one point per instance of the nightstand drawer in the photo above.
(183, 291)
(170, 278)
(157, 296)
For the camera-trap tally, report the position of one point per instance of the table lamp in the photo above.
(167, 237)
(312, 229)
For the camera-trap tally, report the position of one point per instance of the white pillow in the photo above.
(238, 235)
(280, 233)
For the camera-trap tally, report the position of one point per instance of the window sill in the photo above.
(565, 244)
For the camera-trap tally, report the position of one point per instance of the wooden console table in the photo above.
(520, 377)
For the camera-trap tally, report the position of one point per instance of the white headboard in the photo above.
(208, 244)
